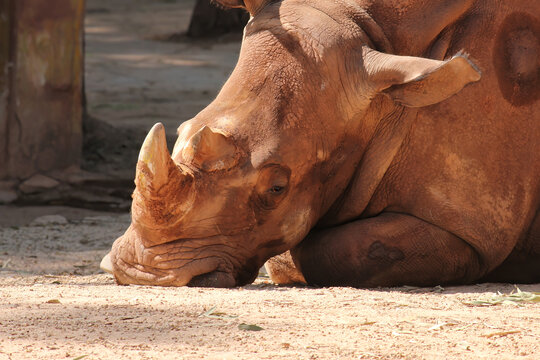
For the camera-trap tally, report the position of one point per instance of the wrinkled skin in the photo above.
(351, 134)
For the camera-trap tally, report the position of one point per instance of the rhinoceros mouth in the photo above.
(221, 277)
(216, 279)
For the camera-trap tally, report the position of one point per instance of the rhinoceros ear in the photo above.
(253, 6)
(210, 150)
(415, 81)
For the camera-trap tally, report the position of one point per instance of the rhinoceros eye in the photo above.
(272, 186)
(276, 189)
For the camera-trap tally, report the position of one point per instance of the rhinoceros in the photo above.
(356, 143)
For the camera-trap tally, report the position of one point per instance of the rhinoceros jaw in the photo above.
(217, 279)
(297, 225)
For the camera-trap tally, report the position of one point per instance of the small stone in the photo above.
(49, 220)
(94, 220)
(38, 183)
(8, 185)
(7, 196)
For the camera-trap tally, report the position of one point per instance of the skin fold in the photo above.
(356, 143)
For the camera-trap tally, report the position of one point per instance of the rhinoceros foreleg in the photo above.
(388, 250)
(282, 270)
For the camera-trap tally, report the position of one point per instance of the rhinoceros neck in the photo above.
(372, 163)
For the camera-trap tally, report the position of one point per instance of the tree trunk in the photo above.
(209, 21)
(41, 73)
(6, 60)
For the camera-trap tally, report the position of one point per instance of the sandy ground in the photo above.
(55, 303)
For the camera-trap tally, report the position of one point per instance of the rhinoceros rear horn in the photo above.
(252, 6)
(210, 150)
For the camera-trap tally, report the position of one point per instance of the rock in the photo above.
(8, 185)
(38, 183)
(103, 219)
(7, 196)
(74, 175)
(93, 220)
(49, 220)
(126, 218)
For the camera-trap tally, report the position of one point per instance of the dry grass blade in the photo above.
(438, 289)
(514, 298)
(4, 265)
(438, 326)
(212, 313)
(401, 332)
(409, 288)
(501, 333)
(208, 312)
(223, 315)
(465, 326)
(368, 322)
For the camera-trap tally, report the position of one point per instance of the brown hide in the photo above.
(470, 164)
(374, 169)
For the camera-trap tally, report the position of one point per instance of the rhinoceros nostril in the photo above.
(218, 279)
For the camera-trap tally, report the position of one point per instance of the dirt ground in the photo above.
(55, 303)
(134, 80)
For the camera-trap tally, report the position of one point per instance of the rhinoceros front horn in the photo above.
(162, 187)
(154, 159)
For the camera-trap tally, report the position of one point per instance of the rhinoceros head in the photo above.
(252, 173)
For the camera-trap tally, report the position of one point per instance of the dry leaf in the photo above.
(250, 327)
(212, 313)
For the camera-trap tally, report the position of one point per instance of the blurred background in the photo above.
(81, 82)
